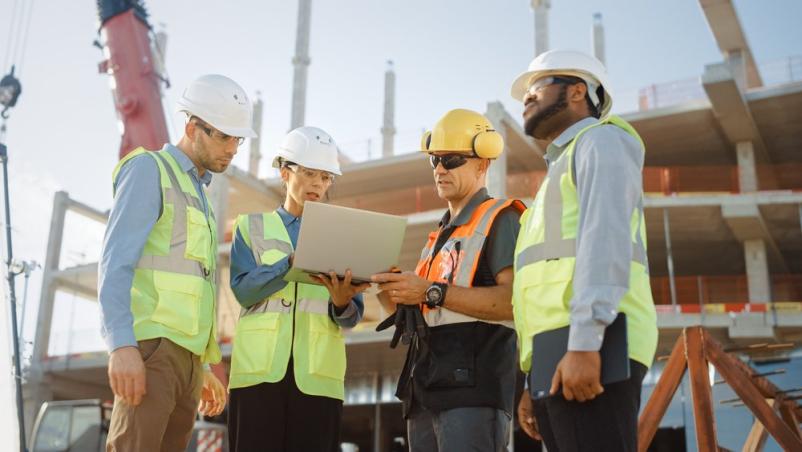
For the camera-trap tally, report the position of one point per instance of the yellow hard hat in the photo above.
(466, 131)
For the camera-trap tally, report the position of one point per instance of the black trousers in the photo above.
(279, 417)
(607, 423)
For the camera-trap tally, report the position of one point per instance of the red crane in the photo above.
(135, 82)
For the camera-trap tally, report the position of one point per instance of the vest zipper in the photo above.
(294, 308)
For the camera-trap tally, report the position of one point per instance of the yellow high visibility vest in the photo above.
(293, 322)
(545, 258)
(173, 291)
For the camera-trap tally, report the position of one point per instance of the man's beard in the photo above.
(559, 105)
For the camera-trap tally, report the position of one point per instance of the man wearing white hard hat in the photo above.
(156, 282)
(288, 357)
(580, 260)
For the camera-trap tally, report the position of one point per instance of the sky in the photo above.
(447, 54)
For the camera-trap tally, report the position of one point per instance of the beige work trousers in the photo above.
(164, 419)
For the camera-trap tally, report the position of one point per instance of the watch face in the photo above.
(433, 294)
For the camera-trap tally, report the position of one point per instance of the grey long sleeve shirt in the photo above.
(608, 164)
(137, 206)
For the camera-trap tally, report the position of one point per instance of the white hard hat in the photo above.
(220, 102)
(567, 62)
(309, 147)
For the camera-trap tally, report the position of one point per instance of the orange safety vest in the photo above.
(457, 260)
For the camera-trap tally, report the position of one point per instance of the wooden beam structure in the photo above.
(696, 350)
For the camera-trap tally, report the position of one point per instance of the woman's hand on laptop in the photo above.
(341, 292)
(402, 288)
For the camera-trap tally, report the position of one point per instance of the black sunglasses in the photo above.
(449, 161)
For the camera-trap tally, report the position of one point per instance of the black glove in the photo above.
(408, 321)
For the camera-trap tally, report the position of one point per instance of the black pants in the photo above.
(279, 417)
(607, 423)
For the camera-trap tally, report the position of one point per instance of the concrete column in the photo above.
(388, 126)
(497, 173)
(36, 390)
(597, 38)
(541, 8)
(255, 155)
(757, 271)
(747, 172)
(301, 63)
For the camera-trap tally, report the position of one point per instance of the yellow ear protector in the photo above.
(487, 144)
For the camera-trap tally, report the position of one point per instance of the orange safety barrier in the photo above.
(704, 290)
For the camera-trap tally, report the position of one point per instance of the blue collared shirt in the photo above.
(608, 165)
(252, 283)
(137, 206)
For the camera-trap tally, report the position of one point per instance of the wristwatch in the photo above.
(436, 295)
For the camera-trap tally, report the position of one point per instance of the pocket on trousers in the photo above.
(179, 301)
(255, 344)
(149, 347)
(326, 349)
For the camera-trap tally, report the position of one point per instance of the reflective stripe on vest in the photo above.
(470, 239)
(175, 260)
(173, 291)
(554, 246)
(292, 323)
(545, 260)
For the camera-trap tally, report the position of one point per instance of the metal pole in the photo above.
(669, 258)
(13, 301)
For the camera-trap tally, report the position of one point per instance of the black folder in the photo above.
(549, 347)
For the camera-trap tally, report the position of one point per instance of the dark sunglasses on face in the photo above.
(449, 161)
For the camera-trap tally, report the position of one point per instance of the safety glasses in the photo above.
(449, 161)
(311, 174)
(543, 82)
(217, 135)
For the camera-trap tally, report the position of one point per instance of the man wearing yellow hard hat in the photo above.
(581, 259)
(460, 395)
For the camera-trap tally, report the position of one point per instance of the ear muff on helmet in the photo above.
(426, 140)
(488, 144)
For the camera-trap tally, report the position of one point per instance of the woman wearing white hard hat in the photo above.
(288, 358)
(581, 261)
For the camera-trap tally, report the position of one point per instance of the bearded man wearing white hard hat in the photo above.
(156, 282)
(581, 264)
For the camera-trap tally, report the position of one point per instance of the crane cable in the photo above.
(18, 33)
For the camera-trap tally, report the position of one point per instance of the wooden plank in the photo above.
(664, 390)
(757, 436)
(787, 411)
(742, 383)
(703, 416)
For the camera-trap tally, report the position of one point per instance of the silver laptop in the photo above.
(335, 238)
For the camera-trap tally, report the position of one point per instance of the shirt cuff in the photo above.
(123, 337)
(343, 313)
(586, 336)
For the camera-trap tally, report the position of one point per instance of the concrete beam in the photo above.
(723, 21)
(731, 108)
(747, 224)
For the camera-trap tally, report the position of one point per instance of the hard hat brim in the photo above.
(519, 85)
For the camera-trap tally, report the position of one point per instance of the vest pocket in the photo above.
(179, 301)
(255, 344)
(450, 361)
(326, 348)
(199, 239)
